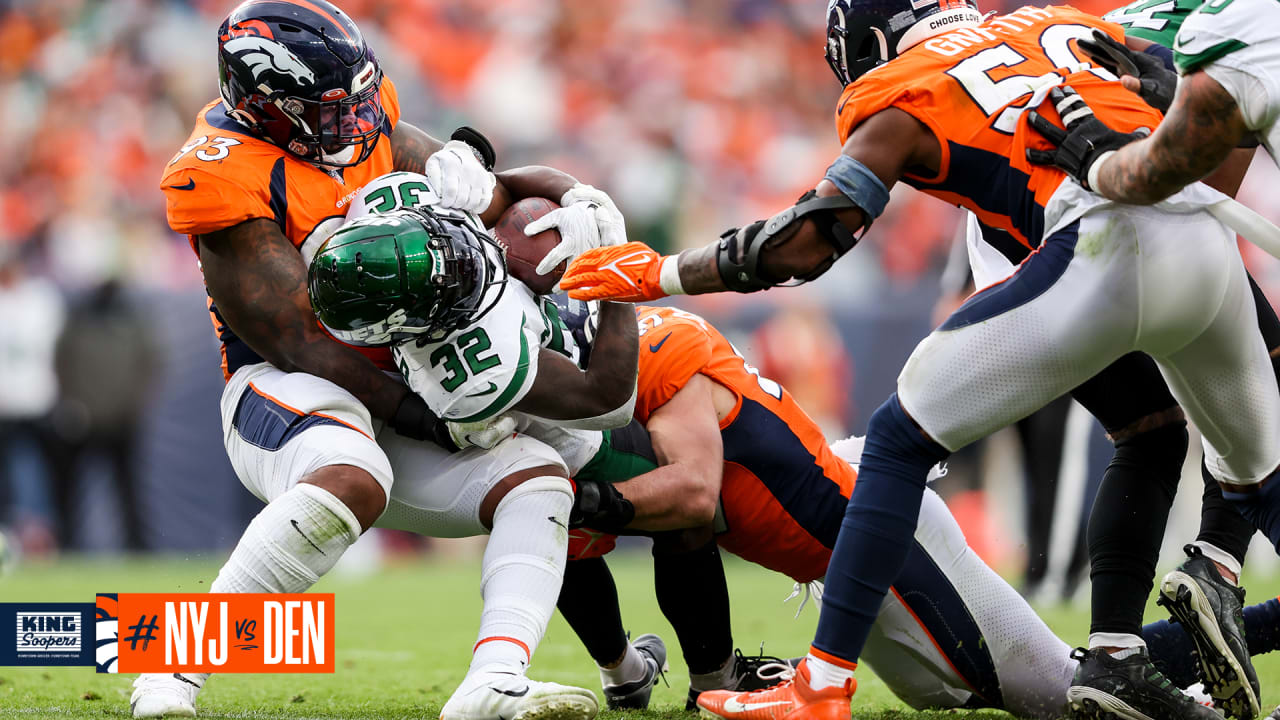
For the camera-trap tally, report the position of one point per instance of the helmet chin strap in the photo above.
(937, 24)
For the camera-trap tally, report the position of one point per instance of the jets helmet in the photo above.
(386, 278)
(299, 74)
(863, 34)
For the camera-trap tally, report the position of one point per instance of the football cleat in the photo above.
(790, 699)
(166, 694)
(635, 695)
(1210, 609)
(1131, 688)
(504, 695)
(750, 672)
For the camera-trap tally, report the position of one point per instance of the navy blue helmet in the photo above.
(299, 74)
(863, 34)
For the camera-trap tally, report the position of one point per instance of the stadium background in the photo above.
(696, 115)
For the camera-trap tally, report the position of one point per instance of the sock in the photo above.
(721, 678)
(1127, 525)
(1222, 527)
(1128, 644)
(521, 572)
(1173, 651)
(1222, 557)
(1262, 508)
(877, 530)
(589, 603)
(297, 538)
(694, 597)
(631, 669)
(824, 673)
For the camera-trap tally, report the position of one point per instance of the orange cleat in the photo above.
(791, 699)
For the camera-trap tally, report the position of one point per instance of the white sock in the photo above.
(823, 674)
(1126, 641)
(1220, 556)
(296, 538)
(631, 668)
(722, 679)
(522, 571)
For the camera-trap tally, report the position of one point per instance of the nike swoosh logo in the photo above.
(656, 348)
(557, 521)
(732, 705)
(304, 537)
(512, 693)
(493, 388)
(190, 185)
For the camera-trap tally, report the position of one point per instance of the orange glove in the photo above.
(625, 273)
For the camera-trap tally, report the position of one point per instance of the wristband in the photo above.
(669, 276)
(1096, 168)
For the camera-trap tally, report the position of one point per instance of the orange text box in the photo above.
(226, 632)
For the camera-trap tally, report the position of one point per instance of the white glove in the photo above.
(459, 179)
(484, 434)
(586, 219)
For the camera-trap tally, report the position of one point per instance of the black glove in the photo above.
(1083, 143)
(415, 420)
(1158, 82)
(600, 506)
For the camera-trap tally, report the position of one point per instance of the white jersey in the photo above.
(1237, 43)
(481, 370)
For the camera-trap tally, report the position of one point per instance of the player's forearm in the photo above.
(410, 148)
(1202, 128)
(528, 181)
(672, 497)
(611, 374)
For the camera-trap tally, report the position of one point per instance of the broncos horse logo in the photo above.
(264, 55)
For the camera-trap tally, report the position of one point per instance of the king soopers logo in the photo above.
(48, 632)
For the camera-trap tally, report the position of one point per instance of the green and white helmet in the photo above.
(386, 278)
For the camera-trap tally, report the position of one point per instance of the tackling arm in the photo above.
(1202, 128)
(600, 397)
(410, 148)
(259, 283)
(684, 491)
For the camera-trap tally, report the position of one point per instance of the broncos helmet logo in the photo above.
(263, 56)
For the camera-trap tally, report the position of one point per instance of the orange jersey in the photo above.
(784, 492)
(971, 87)
(224, 175)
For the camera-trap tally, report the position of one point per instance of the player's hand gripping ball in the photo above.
(525, 252)
(624, 273)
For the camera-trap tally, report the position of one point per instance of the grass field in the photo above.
(404, 636)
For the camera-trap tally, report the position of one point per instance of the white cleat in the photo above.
(503, 695)
(166, 694)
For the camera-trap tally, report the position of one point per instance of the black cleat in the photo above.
(1130, 689)
(635, 695)
(1210, 610)
(1275, 714)
(747, 675)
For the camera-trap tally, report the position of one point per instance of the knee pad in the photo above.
(895, 437)
(546, 483)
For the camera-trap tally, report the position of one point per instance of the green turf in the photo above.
(404, 636)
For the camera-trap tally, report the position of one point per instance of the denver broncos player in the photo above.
(315, 428)
(740, 455)
(934, 97)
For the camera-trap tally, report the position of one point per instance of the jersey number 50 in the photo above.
(994, 97)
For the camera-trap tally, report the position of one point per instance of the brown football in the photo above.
(524, 253)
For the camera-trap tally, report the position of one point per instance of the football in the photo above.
(524, 253)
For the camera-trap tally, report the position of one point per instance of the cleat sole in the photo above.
(1088, 703)
(1222, 673)
(562, 704)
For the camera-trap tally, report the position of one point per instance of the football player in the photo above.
(314, 427)
(942, 111)
(741, 456)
